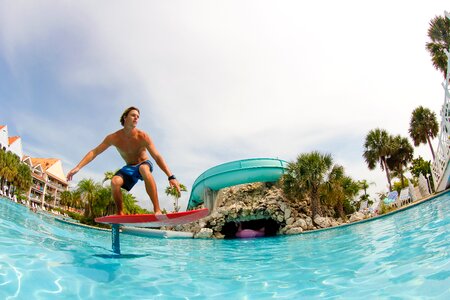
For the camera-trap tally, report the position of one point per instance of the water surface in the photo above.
(403, 255)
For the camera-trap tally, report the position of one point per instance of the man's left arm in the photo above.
(161, 163)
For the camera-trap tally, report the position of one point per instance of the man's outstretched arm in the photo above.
(89, 157)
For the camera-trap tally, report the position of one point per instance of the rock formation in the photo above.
(258, 206)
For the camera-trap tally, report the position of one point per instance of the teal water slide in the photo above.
(206, 186)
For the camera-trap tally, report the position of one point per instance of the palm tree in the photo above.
(88, 189)
(23, 179)
(333, 191)
(130, 204)
(14, 168)
(108, 176)
(306, 175)
(423, 127)
(364, 185)
(421, 166)
(401, 156)
(377, 148)
(339, 189)
(2, 167)
(76, 200)
(66, 199)
(104, 203)
(439, 33)
(9, 163)
(172, 191)
(351, 190)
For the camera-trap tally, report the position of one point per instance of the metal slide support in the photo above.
(115, 238)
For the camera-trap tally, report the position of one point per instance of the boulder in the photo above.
(301, 223)
(287, 213)
(204, 233)
(294, 230)
(322, 222)
(357, 216)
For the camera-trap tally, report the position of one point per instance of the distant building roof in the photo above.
(52, 166)
(12, 139)
(44, 162)
(1, 126)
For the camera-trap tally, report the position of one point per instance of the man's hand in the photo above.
(175, 188)
(174, 183)
(71, 173)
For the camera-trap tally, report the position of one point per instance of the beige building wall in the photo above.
(48, 181)
(57, 171)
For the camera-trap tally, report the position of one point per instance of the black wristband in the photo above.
(172, 177)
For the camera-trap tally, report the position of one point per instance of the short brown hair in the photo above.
(125, 113)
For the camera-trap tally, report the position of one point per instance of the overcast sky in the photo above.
(215, 81)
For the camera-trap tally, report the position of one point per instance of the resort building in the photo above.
(15, 145)
(48, 175)
(4, 137)
(7, 143)
(48, 181)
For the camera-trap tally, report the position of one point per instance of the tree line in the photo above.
(14, 173)
(395, 153)
(314, 176)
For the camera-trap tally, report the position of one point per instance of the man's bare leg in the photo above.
(150, 187)
(116, 184)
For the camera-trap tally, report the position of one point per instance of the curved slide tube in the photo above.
(233, 173)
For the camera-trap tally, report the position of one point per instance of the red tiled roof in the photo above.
(12, 139)
(1, 126)
(44, 162)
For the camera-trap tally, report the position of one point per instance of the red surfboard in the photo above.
(151, 220)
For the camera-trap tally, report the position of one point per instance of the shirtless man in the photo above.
(132, 145)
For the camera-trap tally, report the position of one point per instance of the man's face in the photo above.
(132, 118)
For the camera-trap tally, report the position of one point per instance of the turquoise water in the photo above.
(403, 255)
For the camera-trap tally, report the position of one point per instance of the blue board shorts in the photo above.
(130, 174)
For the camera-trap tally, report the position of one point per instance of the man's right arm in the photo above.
(90, 156)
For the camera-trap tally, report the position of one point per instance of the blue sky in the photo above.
(215, 81)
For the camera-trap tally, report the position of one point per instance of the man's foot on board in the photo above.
(157, 213)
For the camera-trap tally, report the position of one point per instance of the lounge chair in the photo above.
(391, 198)
(405, 196)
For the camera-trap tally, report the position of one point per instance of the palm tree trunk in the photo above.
(341, 210)
(402, 178)
(315, 203)
(383, 161)
(431, 146)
